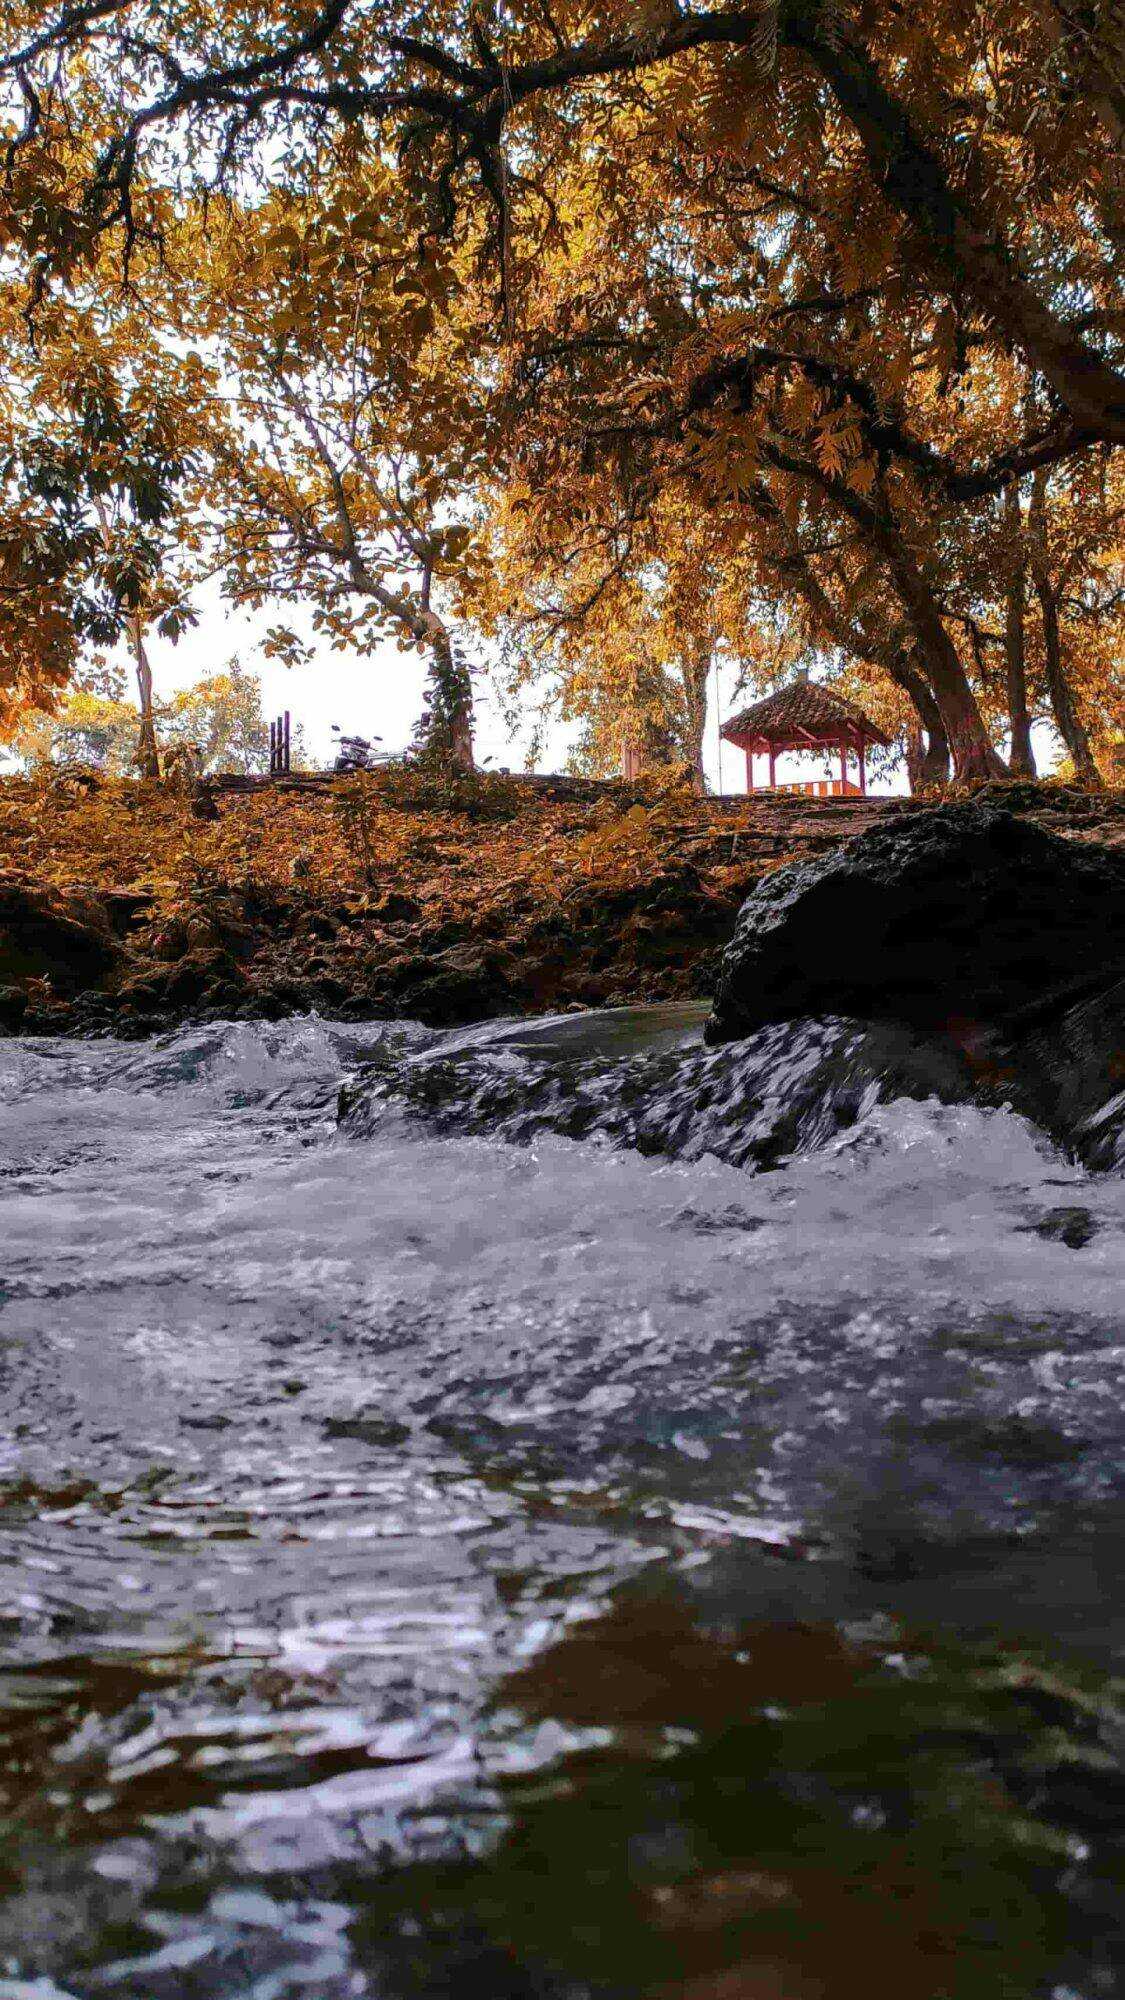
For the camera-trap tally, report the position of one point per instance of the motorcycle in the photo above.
(356, 753)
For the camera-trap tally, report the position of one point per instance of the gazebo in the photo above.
(805, 716)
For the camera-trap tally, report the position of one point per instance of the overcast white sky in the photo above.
(373, 695)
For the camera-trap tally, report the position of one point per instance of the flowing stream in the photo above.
(436, 1566)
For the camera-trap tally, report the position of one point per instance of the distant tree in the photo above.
(101, 537)
(95, 724)
(219, 719)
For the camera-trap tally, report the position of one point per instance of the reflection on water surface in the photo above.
(432, 1568)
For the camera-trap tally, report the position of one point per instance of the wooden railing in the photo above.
(279, 746)
(823, 788)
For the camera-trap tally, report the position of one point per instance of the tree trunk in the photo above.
(927, 765)
(696, 672)
(445, 733)
(148, 753)
(1021, 757)
(972, 752)
(1070, 725)
(915, 757)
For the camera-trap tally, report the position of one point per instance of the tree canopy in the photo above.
(480, 317)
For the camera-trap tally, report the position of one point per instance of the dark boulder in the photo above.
(1000, 942)
(1066, 1065)
(206, 973)
(960, 915)
(468, 982)
(13, 1007)
(126, 909)
(395, 908)
(63, 938)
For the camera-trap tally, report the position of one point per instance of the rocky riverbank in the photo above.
(963, 955)
(130, 907)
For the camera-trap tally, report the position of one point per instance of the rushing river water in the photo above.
(432, 1567)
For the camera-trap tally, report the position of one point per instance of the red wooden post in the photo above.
(749, 770)
(273, 748)
(863, 767)
(773, 769)
(843, 767)
(287, 742)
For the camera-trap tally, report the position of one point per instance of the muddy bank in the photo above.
(130, 908)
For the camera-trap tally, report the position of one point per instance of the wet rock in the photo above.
(1073, 1226)
(793, 1087)
(465, 983)
(204, 974)
(46, 934)
(960, 915)
(396, 908)
(13, 1007)
(126, 909)
(290, 994)
(192, 977)
(359, 1008)
(1001, 942)
(1015, 1440)
(141, 995)
(382, 1432)
(1068, 1071)
(328, 991)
